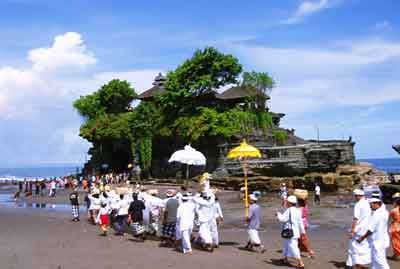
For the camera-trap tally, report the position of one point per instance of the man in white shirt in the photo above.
(185, 219)
(359, 254)
(291, 218)
(377, 234)
(317, 196)
(218, 217)
(205, 213)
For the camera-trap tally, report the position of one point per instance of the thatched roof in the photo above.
(397, 148)
(150, 93)
(158, 88)
(277, 115)
(234, 93)
(240, 92)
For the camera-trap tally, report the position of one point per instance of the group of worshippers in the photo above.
(369, 237)
(176, 218)
(142, 212)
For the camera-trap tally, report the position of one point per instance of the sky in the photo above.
(336, 64)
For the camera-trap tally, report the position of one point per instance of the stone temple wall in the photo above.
(293, 160)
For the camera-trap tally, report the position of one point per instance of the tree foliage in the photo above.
(107, 122)
(188, 86)
(186, 111)
(116, 96)
(260, 80)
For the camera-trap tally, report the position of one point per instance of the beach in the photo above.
(47, 238)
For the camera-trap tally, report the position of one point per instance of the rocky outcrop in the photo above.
(291, 160)
(344, 178)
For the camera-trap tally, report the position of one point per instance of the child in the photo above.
(104, 218)
(74, 199)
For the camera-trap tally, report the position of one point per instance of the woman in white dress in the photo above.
(291, 218)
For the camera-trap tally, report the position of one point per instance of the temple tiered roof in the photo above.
(236, 93)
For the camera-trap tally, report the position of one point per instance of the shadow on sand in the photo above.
(278, 262)
(228, 243)
(338, 264)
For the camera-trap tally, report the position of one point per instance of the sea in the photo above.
(39, 171)
(390, 165)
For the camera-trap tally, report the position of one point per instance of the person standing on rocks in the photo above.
(359, 254)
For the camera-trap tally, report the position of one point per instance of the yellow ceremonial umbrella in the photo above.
(243, 152)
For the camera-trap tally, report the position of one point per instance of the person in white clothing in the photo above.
(94, 205)
(317, 195)
(291, 218)
(359, 254)
(122, 214)
(377, 234)
(205, 213)
(217, 219)
(185, 219)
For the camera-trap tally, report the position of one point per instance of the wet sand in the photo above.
(37, 238)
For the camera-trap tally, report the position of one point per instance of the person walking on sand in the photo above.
(123, 206)
(359, 254)
(53, 187)
(304, 242)
(377, 234)
(185, 219)
(94, 206)
(135, 216)
(317, 195)
(394, 229)
(253, 225)
(103, 218)
(283, 194)
(74, 199)
(292, 221)
(217, 219)
(170, 219)
(204, 210)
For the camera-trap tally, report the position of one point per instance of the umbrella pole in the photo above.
(187, 174)
(246, 192)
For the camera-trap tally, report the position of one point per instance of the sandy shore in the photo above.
(37, 238)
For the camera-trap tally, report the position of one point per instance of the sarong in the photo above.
(304, 243)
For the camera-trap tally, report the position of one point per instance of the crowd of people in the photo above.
(184, 218)
(44, 186)
(141, 212)
(370, 237)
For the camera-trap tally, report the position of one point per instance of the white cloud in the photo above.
(309, 79)
(308, 8)
(36, 101)
(68, 50)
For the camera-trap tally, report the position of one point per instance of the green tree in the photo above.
(189, 85)
(108, 124)
(89, 106)
(260, 80)
(116, 96)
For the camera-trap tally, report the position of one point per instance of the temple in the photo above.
(293, 156)
(396, 148)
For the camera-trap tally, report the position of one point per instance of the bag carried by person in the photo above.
(137, 228)
(287, 231)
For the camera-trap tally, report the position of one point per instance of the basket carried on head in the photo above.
(301, 194)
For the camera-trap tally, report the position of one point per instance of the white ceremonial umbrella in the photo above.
(188, 156)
